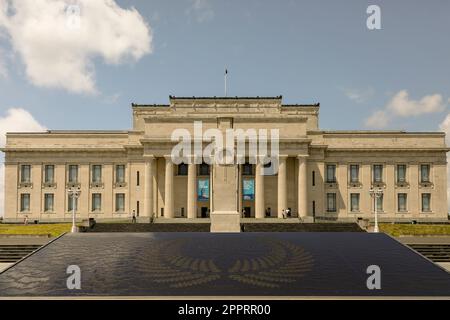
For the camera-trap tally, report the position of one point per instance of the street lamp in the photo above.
(74, 193)
(375, 194)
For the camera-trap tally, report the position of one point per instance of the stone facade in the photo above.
(322, 174)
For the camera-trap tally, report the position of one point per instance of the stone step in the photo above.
(13, 253)
(434, 252)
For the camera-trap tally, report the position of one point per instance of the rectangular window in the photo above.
(48, 202)
(247, 169)
(378, 173)
(401, 173)
(204, 169)
(379, 202)
(426, 202)
(354, 202)
(70, 203)
(49, 174)
(120, 202)
(73, 173)
(120, 173)
(331, 173)
(25, 202)
(182, 169)
(96, 202)
(25, 173)
(313, 178)
(402, 201)
(96, 173)
(354, 173)
(424, 173)
(331, 202)
(137, 208)
(138, 178)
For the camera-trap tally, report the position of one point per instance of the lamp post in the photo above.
(74, 193)
(375, 194)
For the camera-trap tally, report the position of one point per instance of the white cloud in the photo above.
(201, 10)
(379, 120)
(58, 41)
(3, 70)
(445, 127)
(401, 105)
(16, 120)
(359, 95)
(111, 99)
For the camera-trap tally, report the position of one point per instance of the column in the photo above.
(168, 189)
(148, 186)
(302, 187)
(240, 189)
(192, 190)
(282, 185)
(259, 191)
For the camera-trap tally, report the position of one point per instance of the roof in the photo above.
(227, 98)
(172, 98)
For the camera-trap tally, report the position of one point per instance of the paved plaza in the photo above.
(207, 264)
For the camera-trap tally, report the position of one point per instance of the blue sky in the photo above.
(307, 51)
(57, 76)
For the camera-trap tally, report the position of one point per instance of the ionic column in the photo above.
(282, 186)
(259, 191)
(168, 189)
(148, 186)
(302, 187)
(192, 190)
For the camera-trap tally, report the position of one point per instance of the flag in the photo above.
(226, 71)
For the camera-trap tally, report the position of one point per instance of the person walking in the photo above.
(133, 219)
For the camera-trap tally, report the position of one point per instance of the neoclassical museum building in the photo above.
(322, 175)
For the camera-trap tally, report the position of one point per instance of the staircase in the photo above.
(434, 252)
(11, 253)
(302, 227)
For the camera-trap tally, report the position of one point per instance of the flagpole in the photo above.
(226, 74)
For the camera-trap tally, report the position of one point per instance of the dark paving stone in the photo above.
(184, 264)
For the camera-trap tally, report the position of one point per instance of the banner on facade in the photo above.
(248, 189)
(203, 190)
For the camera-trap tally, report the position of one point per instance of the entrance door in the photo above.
(248, 212)
(204, 211)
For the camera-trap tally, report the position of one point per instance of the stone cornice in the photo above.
(70, 134)
(63, 149)
(214, 117)
(391, 149)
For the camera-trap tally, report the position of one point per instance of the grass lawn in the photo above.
(415, 229)
(53, 229)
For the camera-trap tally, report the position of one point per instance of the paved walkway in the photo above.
(4, 266)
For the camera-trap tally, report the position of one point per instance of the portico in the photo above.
(189, 191)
